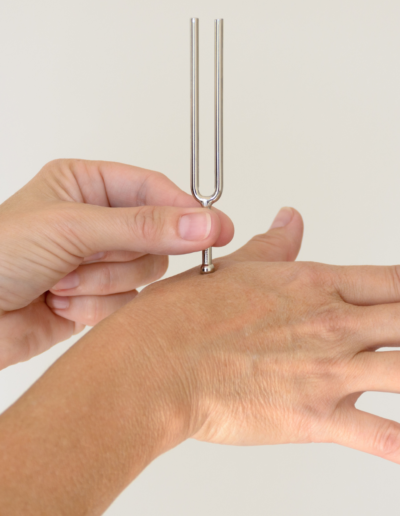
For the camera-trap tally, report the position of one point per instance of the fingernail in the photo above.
(195, 226)
(60, 303)
(94, 257)
(283, 218)
(71, 280)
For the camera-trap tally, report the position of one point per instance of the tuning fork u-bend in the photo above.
(206, 201)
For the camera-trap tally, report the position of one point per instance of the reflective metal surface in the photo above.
(206, 201)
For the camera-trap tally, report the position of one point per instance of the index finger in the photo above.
(368, 284)
(105, 183)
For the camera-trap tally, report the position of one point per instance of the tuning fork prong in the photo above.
(206, 201)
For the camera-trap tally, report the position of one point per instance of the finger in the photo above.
(88, 310)
(368, 285)
(377, 371)
(32, 330)
(227, 229)
(101, 279)
(113, 256)
(150, 188)
(281, 243)
(368, 433)
(111, 184)
(106, 183)
(149, 229)
(372, 327)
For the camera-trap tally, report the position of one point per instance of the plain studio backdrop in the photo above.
(311, 120)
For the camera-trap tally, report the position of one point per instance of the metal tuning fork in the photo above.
(206, 201)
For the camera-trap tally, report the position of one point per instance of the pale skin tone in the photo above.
(59, 234)
(264, 351)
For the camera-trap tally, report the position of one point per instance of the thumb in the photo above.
(280, 244)
(145, 229)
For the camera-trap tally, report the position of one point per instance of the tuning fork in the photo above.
(206, 201)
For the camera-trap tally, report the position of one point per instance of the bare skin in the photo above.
(90, 232)
(263, 351)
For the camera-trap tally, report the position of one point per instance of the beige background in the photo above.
(312, 120)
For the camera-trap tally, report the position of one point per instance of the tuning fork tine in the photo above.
(206, 201)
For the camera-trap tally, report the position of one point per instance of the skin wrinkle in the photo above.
(396, 279)
(256, 353)
(71, 233)
(184, 373)
(88, 179)
(72, 190)
(56, 183)
(132, 188)
(104, 186)
(149, 223)
(120, 277)
(271, 245)
(47, 233)
(42, 260)
(26, 338)
(44, 236)
(141, 194)
(329, 331)
(105, 279)
(165, 351)
(32, 340)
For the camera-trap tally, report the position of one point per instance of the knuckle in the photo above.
(315, 274)
(67, 222)
(154, 178)
(334, 324)
(94, 312)
(148, 223)
(76, 166)
(387, 440)
(160, 267)
(324, 379)
(311, 274)
(63, 166)
(105, 279)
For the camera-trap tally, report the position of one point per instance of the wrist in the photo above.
(108, 407)
(150, 342)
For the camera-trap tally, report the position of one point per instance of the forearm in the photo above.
(94, 420)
